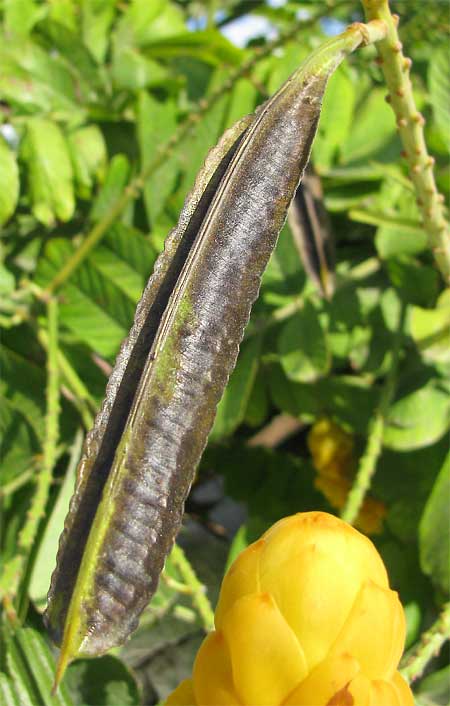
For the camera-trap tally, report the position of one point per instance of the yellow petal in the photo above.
(374, 632)
(212, 676)
(380, 692)
(324, 683)
(371, 516)
(241, 579)
(360, 689)
(183, 695)
(314, 565)
(384, 693)
(266, 658)
(405, 695)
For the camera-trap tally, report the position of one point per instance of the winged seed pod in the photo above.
(311, 230)
(140, 457)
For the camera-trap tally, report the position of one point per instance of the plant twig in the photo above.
(410, 124)
(369, 459)
(16, 568)
(135, 187)
(280, 428)
(196, 589)
(81, 397)
(17, 483)
(360, 272)
(429, 646)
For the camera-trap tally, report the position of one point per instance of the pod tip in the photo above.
(63, 663)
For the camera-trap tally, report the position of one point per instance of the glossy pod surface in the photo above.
(140, 457)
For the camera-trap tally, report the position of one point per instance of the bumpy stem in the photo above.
(429, 646)
(410, 122)
(15, 569)
(194, 587)
(366, 469)
(372, 452)
(80, 395)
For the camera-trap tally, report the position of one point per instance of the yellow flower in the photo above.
(332, 451)
(305, 617)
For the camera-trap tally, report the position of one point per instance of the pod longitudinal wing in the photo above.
(140, 457)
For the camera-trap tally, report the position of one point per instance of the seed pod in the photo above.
(140, 457)
(311, 230)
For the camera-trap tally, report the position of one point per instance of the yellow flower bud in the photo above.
(331, 448)
(183, 695)
(305, 618)
(332, 452)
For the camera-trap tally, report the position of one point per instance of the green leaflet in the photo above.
(37, 82)
(434, 532)
(430, 329)
(155, 124)
(100, 299)
(303, 346)
(420, 417)
(45, 152)
(115, 181)
(232, 407)
(28, 675)
(9, 182)
(21, 16)
(88, 154)
(336, 120)
(96, 19)
(439, 87)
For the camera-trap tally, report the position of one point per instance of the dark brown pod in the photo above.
(311, 230)
(140, 457)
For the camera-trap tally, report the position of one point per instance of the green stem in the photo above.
(402, 225)
(16, 483)
(410, 124)
(196, 589)
(330, 54)
(360, 272)
(134, 188)
(81, 398)
(366, 469)
(372, 452)
(50, 448)
(429, 646)
(15, 570)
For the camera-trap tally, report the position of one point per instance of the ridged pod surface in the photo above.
(139, 459)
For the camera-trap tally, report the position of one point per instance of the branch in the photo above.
(429, 646)
(79, 394)
(15, 569)
(241, 8)
(280, 428)
(16, 483)
(410, 124)
(195, 588)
